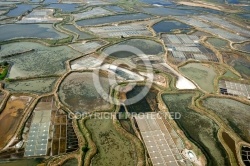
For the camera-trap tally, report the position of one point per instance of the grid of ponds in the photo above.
(234, 88)
(194, 21)
(159, 141)
(184, 47)
(95, 12)
(40, 16)
(227, 25)
(50, 131)
(39, 134)
(112, 19)
(245, 154)
(121, 30)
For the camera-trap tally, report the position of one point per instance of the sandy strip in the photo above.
(200, 4)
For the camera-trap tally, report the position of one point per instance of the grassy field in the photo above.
(243, 68)
(203, 75)
(113, 149)
(23, 162)
(4, 66)
(230, 74)
(71, 162)
(233, 113)
(218, 43)
(198, 128)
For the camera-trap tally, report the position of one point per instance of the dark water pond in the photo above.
(169, 26)
(20, 9)
(64, 7)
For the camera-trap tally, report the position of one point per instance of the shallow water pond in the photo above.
(113, 148)
(79, 93)
(147, 102)
(197, 127)
(64, 7)
(218, 43)
(41, 61)
(243, 68)
(162, 11)
(20, 9)
(42, 31)
(169, 26)
(203, 75)
(112, 19)
(243, 47)
(148, 47)
(233, 113)
(36, 86)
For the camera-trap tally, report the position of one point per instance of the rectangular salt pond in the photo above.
(121, 30)
(46, 2)
(64, 7)
(162, 11)
(20, 9)
(112, 19)
(43, 31)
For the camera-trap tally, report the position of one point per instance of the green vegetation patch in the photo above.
(230, 74)
(203, 75)
(71, 162)
(198, 128)
(218, 43)
(233, 113)
(243, 68)
(113, 149)
(4, 66)
(24, 162)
